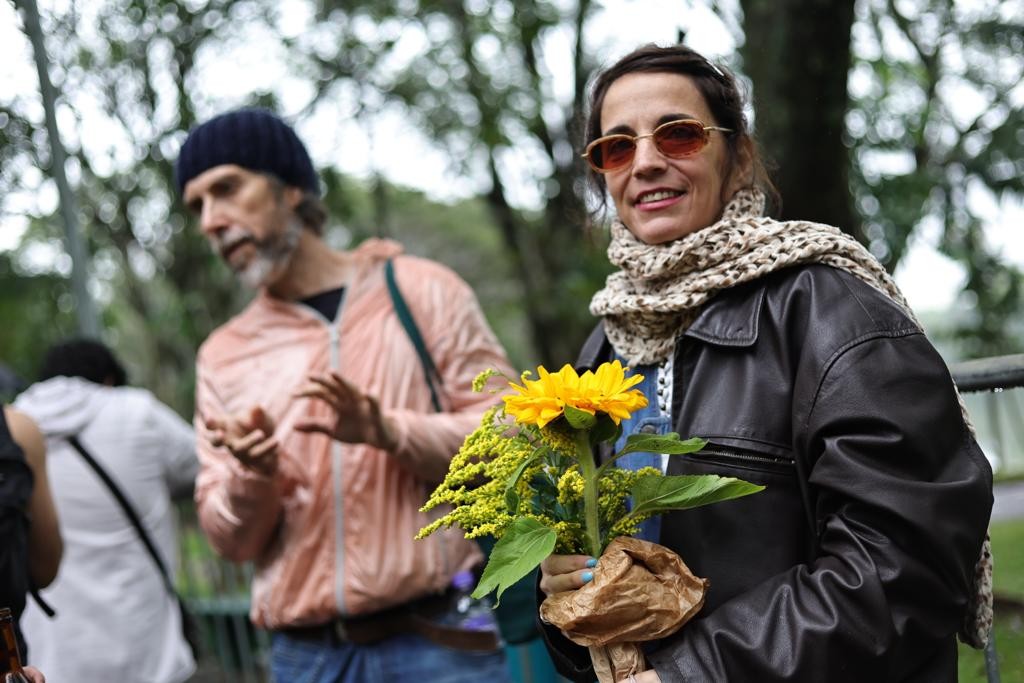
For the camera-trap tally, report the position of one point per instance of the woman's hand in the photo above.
(649, 676)
(565, 572)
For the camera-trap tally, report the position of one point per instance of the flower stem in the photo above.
(588, 471)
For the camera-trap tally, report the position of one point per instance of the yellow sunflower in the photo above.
(606, 390)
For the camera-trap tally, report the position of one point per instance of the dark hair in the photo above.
(310, 209)
(83, 358)
(717, 86)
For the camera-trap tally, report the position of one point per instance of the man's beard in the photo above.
(272, 256)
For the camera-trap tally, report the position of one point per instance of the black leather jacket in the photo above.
(855, 563)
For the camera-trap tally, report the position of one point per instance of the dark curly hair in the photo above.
(85, 358)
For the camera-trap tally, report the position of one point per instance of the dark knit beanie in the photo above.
(254, 139)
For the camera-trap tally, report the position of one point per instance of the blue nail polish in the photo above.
(591, 563)
(588, 576)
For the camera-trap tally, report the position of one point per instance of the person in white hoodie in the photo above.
(116, 620)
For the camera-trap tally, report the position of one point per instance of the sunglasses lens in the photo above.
(675, 139)
(612, 153)
(680, 139)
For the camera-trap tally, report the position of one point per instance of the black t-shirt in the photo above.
(326, 303)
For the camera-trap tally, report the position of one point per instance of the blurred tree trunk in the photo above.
(797, 54)
(85, 309)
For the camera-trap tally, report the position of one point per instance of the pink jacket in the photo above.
(332, 532)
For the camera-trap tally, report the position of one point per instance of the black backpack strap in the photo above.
(129, 512)
(430, 372)
(189, 628)
(43, 605)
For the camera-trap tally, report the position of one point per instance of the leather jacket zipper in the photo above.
(733, 455)
(746, 460)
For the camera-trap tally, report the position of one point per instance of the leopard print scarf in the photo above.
(661, 288)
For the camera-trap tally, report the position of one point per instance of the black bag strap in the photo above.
(129, 512)
(430, 372)
(472, 640)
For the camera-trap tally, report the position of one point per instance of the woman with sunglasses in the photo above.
(788, 347)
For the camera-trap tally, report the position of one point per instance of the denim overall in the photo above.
(648, 420)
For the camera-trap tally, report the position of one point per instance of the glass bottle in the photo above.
(10, 658)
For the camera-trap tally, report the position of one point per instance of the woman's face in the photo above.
(661, 199)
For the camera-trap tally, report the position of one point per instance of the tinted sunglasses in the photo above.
(675, 139)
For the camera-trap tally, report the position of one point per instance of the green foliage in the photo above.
(473, 78)
(658, 443)
(477, 86)
(935, 124)
(579, 419)
(512, 498)
(656, 494)
(36, 311)
(517, 553)
(1008, 553)
(160, 288)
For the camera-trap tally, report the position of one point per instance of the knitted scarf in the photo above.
(661, 288)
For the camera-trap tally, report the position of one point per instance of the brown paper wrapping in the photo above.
(640, 591)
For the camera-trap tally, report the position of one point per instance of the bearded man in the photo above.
(318, 437)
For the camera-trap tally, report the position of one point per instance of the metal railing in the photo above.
(217, 594)
(989, 374)
(994, 375)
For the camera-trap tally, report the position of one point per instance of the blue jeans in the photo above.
(403, 659)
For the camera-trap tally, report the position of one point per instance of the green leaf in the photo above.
(655, 493)
(511, 500)
(579, 419)
(519, 551)
(655, 443)
(511, 497)
(605, 430)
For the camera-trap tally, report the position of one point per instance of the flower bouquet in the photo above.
(537, 488)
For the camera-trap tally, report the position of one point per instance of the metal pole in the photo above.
(991, 661)
(85, 310)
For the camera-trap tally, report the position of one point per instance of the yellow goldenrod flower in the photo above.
(480, 381)
(559, 437)
(607, 390)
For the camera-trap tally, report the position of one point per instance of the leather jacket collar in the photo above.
(730, 318)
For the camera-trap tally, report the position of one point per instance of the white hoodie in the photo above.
(115, 620)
